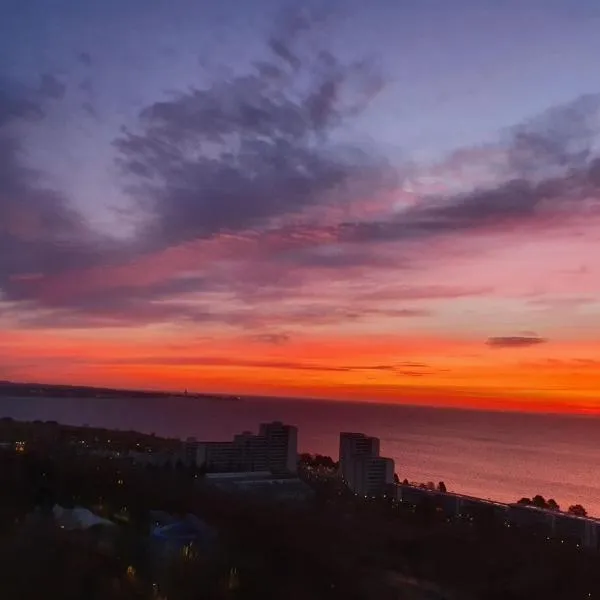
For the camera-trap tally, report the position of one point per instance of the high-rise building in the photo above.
(361, 468)
(282, 446)
(252, 451)
(371, 476)
(353, 445)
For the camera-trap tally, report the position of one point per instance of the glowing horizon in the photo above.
(381, 370)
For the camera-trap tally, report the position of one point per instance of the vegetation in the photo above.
(577, 510)
(318, 461)
(551, 504)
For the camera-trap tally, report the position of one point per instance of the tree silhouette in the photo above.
(577, 510)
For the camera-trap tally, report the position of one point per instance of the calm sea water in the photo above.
(503, 456)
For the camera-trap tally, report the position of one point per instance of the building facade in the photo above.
(274, 449)
(252, 452)
(370, 476)
(281, 442)
(352, 446)
(361, 467)
(219, 456)
(190, 451)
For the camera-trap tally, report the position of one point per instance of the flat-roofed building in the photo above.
(412, 494)
(281, 443)
(370, 476)
(531, 517)
(263, 485)
(190, 451)
(252, 451)
(218, 456)
(361, 467)
(353, 446)
(571, 528)
(592, 534)
(274, 449)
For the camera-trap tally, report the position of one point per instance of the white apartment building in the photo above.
(274, 449)
(353, 445)
(361, 468)
(370, 476)
(282, 446)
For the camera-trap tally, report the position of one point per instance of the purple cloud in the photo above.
(242, 156)
(39, 232)
(515, 341)
(252, 147)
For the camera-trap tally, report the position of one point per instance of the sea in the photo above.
(497, 455)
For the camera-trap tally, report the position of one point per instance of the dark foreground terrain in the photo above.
(334, 546)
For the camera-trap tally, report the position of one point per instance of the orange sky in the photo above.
(378, 368)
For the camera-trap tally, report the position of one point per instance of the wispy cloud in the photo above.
(515, 341)
(276, 339)
(408, 369)
(266, 144)
(40, 233)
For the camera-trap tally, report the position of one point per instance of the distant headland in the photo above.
(35, 390)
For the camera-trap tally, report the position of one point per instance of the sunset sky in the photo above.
(394, 200)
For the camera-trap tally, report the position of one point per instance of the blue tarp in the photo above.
(184, 531)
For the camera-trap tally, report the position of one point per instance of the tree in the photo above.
(318, 461)
(539, 501)
(552, 505)
(442, 487)
(525, 501)
(325, 461)
(577, 510)
(405, 481)
(396, 478)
